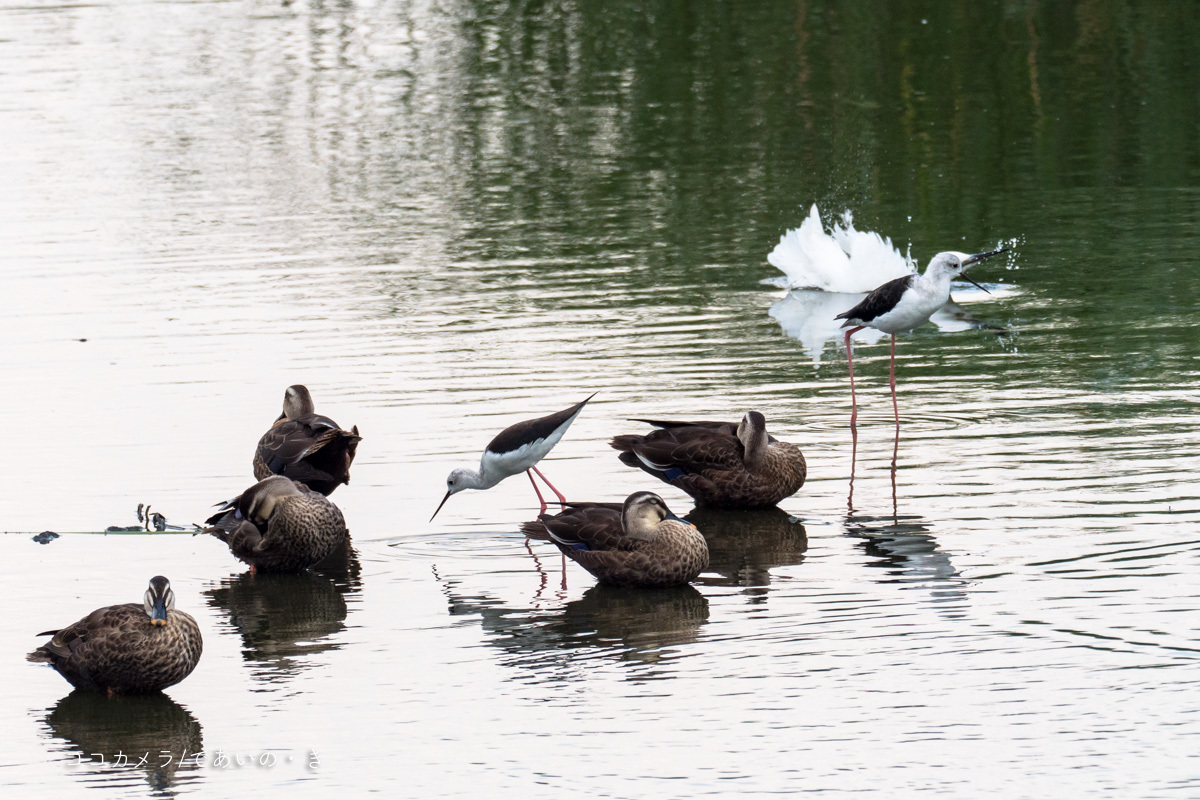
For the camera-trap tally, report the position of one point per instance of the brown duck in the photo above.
(720, 464)
(279, 525)
(305, 446)
(637, 543)
(127, 649)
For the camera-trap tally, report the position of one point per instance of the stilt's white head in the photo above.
(459, 478)
(953, 263)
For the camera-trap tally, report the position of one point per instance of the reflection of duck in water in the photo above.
(285, 618)
(152, 726)
(744, 546)
(638, 625)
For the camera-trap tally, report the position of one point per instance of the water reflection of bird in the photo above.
(283, 618)
(744, 546)
(128, 648)
(720, 464)
(516, 449)
(636, 625)
(152, 727)
(903, 304)
(279, 525)
(305, 446)
(905, 548)
(637, 543)
(808, 316)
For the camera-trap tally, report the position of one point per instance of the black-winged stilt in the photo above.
(637, 543)
(903, 304)
(516, 449)
(720, 464)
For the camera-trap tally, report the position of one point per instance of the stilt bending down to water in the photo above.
(903, 304)
(305, 446)
(720, 464)
(127, 649)
(516, 449)
(637, 543)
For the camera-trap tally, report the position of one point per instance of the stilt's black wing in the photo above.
(878, 302)
(519, 434)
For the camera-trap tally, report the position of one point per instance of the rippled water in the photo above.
(446, 217)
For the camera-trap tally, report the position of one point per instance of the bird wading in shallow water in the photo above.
(720, 464)
(305, 446)
(127, 649)
(516, 449)
(638, 543)
(903, 304)
(279, 525)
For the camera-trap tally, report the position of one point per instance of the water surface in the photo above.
(444, 218)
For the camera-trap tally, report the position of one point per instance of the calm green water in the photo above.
(445, 217)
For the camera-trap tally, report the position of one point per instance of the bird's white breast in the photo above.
(918, 303)
(520, 459)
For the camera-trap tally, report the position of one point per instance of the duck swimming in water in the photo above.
(637, 543)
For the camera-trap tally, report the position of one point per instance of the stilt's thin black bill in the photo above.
(975, 259)
(439, 508)
(967, 278)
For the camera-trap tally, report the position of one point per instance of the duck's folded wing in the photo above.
(291, 441)
(687, 449)
(728, 428)
(590, 526)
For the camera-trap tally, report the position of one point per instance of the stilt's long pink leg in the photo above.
(850, 360)
(537, 491)
(895, 455)
(562, 500)
(892, 378)
(853, 461)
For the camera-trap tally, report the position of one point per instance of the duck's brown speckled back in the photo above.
(118, 649)
(593, 536)
(302, 528)
(708, 461)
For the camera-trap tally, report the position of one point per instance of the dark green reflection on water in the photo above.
(712, 116)
(678, 141)
(114, 737)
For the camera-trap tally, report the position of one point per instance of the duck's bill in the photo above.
(158, 615)
(439, 508)
(968, 279)
(975, 259)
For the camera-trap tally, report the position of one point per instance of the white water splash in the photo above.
(843, 260)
